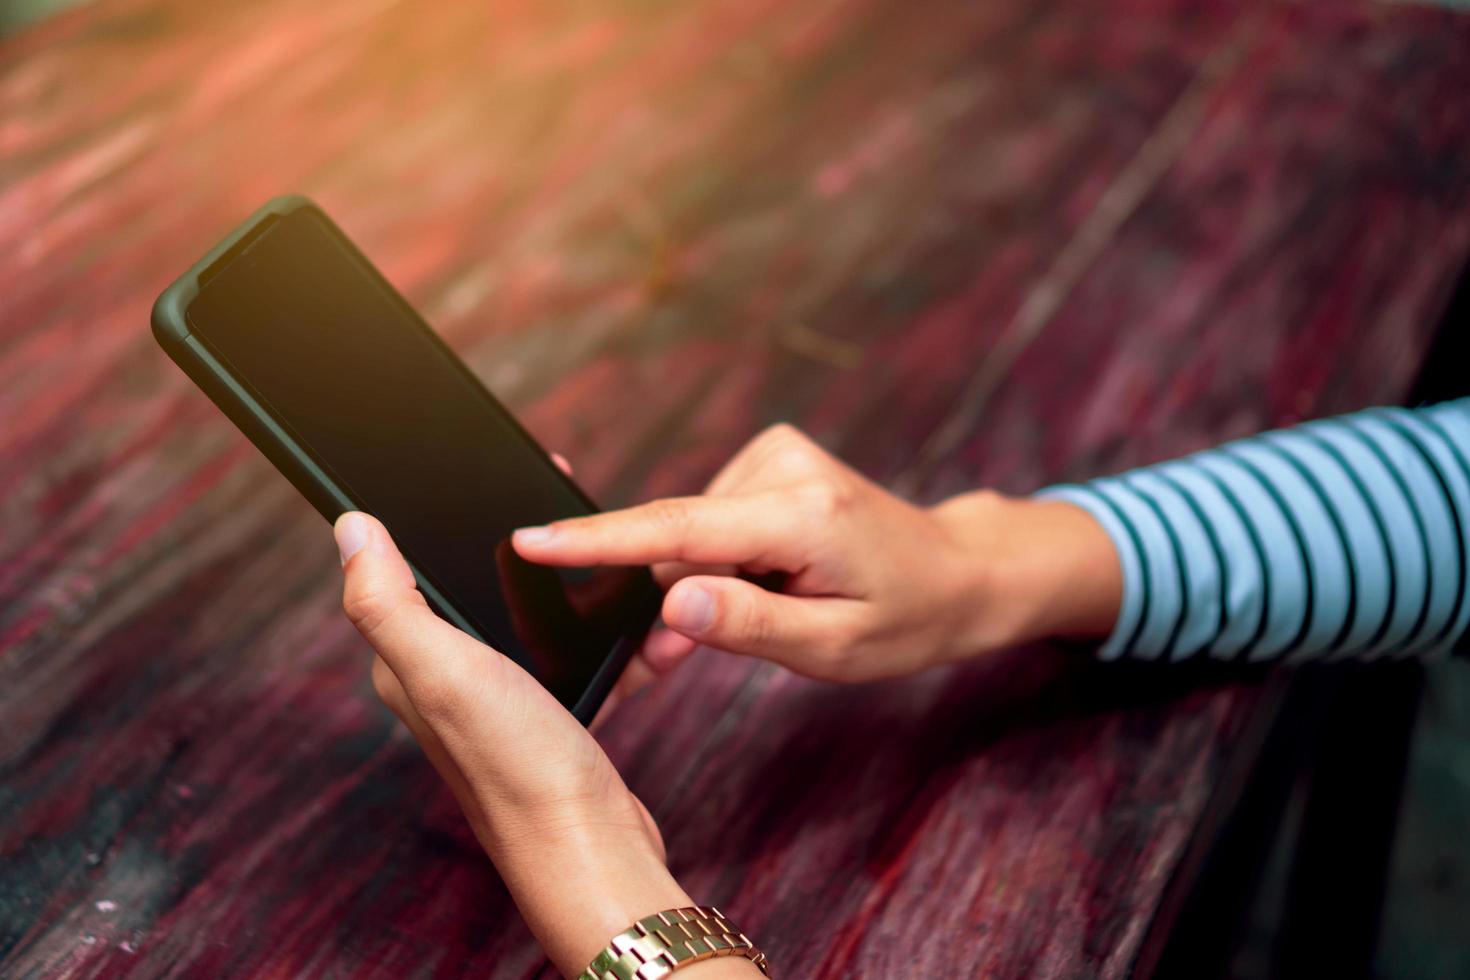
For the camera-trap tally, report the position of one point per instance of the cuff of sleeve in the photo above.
(1131, 607)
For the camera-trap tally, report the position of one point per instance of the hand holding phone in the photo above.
(578, 851)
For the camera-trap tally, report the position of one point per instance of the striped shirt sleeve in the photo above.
(1342, 538)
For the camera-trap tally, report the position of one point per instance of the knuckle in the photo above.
(669, 516)
(825, 499)
(779, 434)
(755, 626)
(832, 648)
(860, 629)
(369, 608)
(793, 461)
(785, 447)
(835, 659)
(372, 608)
(444, 691)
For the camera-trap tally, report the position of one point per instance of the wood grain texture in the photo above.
(960, 243)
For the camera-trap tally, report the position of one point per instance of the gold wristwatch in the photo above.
(659, 944)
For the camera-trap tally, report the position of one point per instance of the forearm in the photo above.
(1046, 569)
(578, 888)
(1341, 538)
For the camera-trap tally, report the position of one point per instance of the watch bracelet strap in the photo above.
(657, 945)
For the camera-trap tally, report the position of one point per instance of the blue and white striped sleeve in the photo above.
(1342, 538)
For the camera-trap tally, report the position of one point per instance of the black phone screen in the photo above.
(355, 375)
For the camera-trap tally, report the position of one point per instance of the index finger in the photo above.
(759, 528)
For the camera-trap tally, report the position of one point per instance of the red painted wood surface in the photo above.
(961, 243)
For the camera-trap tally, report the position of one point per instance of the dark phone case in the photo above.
(234, 397)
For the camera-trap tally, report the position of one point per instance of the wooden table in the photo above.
(960, 243)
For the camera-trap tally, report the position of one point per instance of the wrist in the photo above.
(1034, 569)
(579, 883)
(1079, 578)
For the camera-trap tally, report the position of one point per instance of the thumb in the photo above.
(433, 661)
(737, 616)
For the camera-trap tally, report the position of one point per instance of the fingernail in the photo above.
(694, 610)
(534, 535)
(352, 533)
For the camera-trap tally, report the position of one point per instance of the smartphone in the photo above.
(294, 334)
